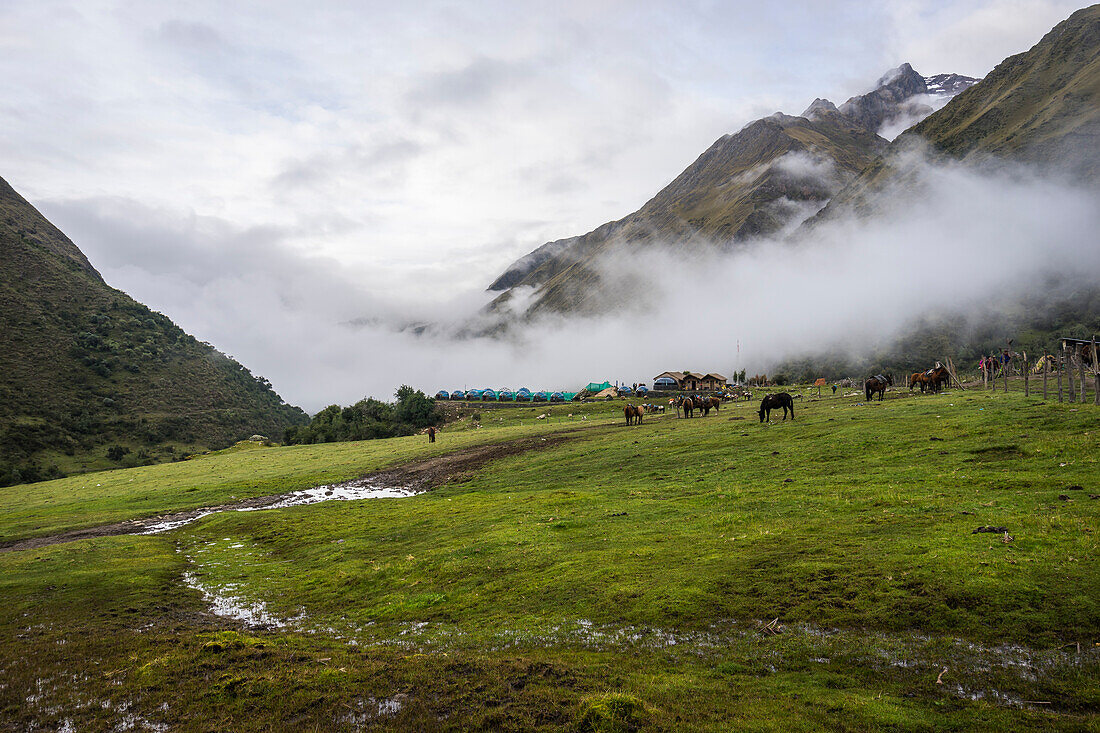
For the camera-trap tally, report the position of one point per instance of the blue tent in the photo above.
(540, 397)
(642, 389)
(557, 397)
(442, 395)
(505, 395)
(488, 395)
(458, 394)
(473, 394)
(523, 395)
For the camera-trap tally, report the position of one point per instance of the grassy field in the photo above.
(704, 574)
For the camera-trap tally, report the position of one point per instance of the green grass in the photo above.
(617, 581)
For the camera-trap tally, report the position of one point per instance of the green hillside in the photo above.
(86, 368)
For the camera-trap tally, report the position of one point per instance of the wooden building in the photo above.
(690, 381)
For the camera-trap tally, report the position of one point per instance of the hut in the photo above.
(690, 381)
(665, 383)
(442, 395)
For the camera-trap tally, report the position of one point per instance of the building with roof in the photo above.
(690, 381)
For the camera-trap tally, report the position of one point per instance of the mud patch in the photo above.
(398, 482)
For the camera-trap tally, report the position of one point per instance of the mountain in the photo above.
(88, 371)
(1040, 107)
(771, 175)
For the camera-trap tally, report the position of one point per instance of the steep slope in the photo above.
(86, 368)
(1039, 107)
(772, 174)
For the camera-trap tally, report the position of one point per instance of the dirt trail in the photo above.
(418, 476)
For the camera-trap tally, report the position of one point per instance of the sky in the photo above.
(254, 169)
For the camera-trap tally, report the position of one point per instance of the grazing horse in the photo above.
(878, 383)
(774, 402)
(917, 379)
(711, 402)
(686, 404)
(633, 415)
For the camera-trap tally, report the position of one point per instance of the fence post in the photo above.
(1059, 379)
(1069, 373)
(1095, 374)
(1081, 373)
(1004, 369)
(1027, 374)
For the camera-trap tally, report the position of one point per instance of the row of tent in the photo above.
(601, 391)
(505, 395)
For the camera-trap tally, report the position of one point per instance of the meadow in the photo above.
(706, 574)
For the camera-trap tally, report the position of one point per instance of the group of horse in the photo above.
(688, 405)
(933, 379)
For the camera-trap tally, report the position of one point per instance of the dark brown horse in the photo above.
(633, 415)
(774, 402)
(878, 383)
(686, 404)
(711, 403)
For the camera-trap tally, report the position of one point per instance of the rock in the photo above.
(993, 530)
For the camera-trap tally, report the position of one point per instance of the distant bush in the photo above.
(368, 419)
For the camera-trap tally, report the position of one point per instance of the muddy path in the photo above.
(404, 480)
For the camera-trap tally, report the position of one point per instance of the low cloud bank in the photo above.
(950, 238)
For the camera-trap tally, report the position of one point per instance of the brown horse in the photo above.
(633, 415)
(878, 383)
(915, 380)
(774, 402)
(686, 404)
(709, 403)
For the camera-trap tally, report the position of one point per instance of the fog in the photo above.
(951, 237)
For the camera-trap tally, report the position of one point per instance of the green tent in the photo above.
(595, 388)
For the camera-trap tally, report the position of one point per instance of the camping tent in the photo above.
(557, 397)
(488, 395)
(540, 397)
(523, 395)
(642, 390)
(505, 395)
(458, 394)
(473, 394)
(442, 395)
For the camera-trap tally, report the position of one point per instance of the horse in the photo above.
(686, 404)
(709, 402)
(878, 383)
(937, 378)
(916, 379)
(633, 415)
(774, 402)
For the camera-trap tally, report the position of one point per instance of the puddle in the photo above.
(350, 491)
